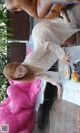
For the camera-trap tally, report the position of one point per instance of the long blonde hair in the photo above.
(10, 68)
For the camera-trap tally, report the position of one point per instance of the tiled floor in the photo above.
(64, 116)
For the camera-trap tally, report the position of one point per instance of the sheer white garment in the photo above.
(47, 38)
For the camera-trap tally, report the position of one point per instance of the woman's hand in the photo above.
(67, 58)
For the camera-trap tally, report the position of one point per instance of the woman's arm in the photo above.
(36, 55)
(58, 51)
(53, 78)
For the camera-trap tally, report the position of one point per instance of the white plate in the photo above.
(67, 72)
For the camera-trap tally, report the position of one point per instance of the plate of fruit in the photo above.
(76, 71)
(67, 72)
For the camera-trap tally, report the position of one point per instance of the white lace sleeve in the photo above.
(56, 49)
(51, 77)
(36, 54)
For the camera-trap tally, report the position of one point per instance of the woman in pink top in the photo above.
(47, 38)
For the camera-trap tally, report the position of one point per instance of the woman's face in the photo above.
(20, 71)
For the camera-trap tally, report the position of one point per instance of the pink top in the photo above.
(18, 110)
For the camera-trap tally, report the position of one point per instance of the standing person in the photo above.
(47, 9)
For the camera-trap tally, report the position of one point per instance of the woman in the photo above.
(38, 8)
(47, 38)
